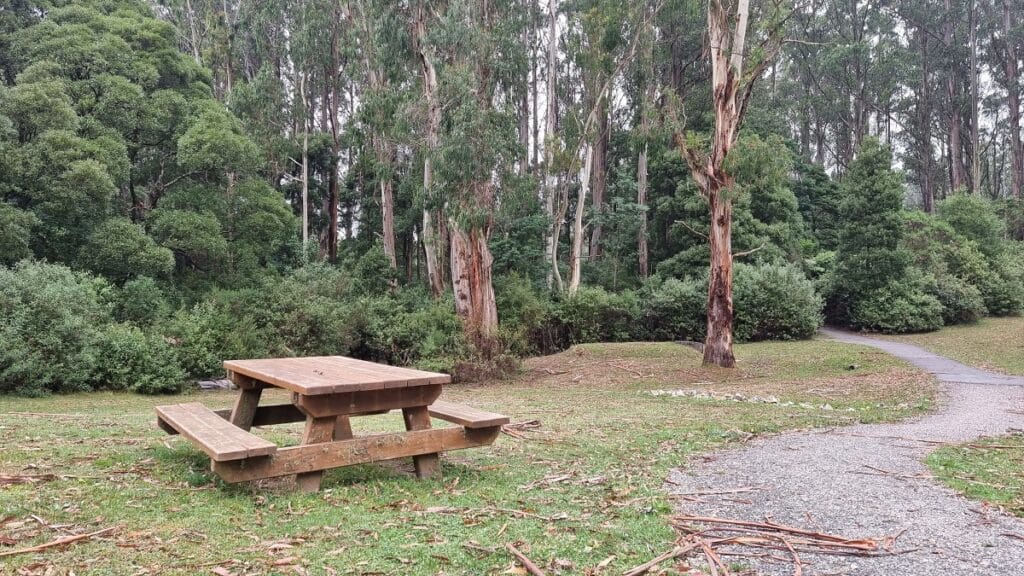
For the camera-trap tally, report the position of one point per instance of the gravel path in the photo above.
(827, 481)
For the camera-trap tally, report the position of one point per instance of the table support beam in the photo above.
(360, 450)
(318, 431)
(427, 465)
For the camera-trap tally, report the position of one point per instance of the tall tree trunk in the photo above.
(729, 101)
(975, 129)
(305, 166)
(550, 177)
(955, 145)
(641, 200)
(471, 262)
(432, 236)
(387, 205)
(718, 343)
(1013, 102)
(924, 110)
(600, 177)
(576, 258)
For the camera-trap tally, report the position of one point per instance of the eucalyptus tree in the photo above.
(478, 145)
(734, 73)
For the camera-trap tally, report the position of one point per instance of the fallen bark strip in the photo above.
(526, 562)
(58, 542)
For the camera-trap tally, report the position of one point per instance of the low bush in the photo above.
(140, 362)
(675, 309)
(596, 315)
(774, 302)
(962, 302)
(51, 328)
(896, 308)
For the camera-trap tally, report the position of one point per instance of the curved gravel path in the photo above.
(830, 481)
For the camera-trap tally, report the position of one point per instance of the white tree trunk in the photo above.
(577, 225)
(550, 178)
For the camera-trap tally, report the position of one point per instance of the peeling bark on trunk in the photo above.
(975, 129)
(729, 101)
(955, 143)
(471, 262)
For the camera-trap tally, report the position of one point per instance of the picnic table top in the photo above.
(316, 375)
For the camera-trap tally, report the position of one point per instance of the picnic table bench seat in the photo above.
(466, 415)
(219, 438)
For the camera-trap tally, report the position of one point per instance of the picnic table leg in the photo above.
(317, 430)
(342, 428)
(245, 407)
(427, 465)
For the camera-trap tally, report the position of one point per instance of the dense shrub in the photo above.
(896, 308)
(57, 334)
(774, 303)
(525, 315)
(207, 334)
(142, 302)
(140, 362)
(595, 315)
(51, 328)
(961, 301)
(675, 309)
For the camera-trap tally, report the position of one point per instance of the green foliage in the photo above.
(675, 309)
(194, 237)
(57, 334)
(51, 328)
(774, 303)
(525, 315)
(120, 250)
(15, 233)
(871, 268)
(595, 315)
(976, 219)
(207, 334)
(895, 308)
(962, 302)
(142, 302)
(138, 361)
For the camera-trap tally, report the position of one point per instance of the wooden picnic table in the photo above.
(326, 392)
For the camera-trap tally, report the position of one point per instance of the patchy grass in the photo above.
(980, 471)
(582, 488)
(995, 344)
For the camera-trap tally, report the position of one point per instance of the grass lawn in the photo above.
(993, 475)
(995, 344)
(581, 494)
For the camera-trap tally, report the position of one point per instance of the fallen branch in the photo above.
(58, 542)
(526, 562)
(670, 555)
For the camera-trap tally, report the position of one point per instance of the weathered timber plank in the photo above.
(318, 431)
(350, 403)
(246, 404)
(359, 450)
(221, 440)
(466, 415)
(427, 465)
(329, 374)
(269, 416)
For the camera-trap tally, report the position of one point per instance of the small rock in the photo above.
(222, 384)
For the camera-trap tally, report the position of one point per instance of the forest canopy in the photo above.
(456, 185)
